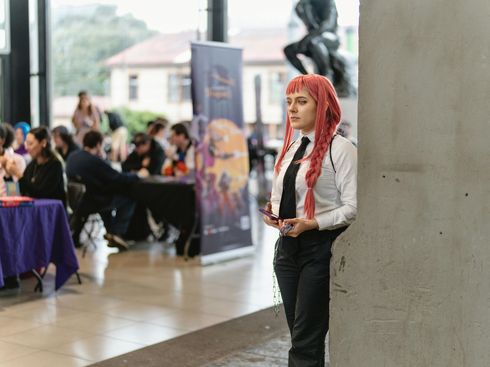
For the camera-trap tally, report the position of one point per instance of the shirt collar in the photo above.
(310, 135)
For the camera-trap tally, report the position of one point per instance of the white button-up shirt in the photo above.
(335, 192)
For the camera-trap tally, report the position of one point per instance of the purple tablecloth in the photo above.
(31, 237)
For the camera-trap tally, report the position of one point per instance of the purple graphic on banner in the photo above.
(221, 151)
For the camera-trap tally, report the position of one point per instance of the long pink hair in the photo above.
(327, 118)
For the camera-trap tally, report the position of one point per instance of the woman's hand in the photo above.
(3, 161)
(143, 173)
(267, 220)
(12, 169)
(300, 225)
(145, 162)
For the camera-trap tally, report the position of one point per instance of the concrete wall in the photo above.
(411, 278)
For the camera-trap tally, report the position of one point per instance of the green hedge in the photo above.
(135, 120)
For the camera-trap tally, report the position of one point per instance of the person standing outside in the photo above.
(85, 117)
(314, 195)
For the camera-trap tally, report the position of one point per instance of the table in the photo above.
(31, 237)
(169, 199)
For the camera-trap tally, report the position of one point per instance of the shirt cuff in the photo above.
(340, 217)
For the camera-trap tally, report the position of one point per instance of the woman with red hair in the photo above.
(314, 197)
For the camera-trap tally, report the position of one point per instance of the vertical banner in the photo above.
(221, 152)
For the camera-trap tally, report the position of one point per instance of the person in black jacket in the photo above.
(43, 177)
(147, 157)
(106, 190)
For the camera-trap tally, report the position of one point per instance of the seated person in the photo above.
(63, 142)
(147, 157)
(345, 129)
(158, 131)
(149, 126)
(181, 161)
(43, 176)
(21, 130)
(106, 191)
(6, 155)
(119, 137)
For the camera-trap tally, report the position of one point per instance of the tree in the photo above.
(82, 39)
(136, 121)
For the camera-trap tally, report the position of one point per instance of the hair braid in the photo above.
(316, 159)
(287, 141)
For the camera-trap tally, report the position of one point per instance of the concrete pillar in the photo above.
(218, 20)
(411, 278)
(17, 65)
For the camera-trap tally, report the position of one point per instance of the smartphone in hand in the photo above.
(271, 216)
(284, 230)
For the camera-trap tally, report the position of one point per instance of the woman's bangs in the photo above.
(295, 85)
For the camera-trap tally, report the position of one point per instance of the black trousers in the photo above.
(116, 215)
(117, 218)
(302, 267)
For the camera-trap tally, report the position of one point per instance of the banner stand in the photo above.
(222, 165)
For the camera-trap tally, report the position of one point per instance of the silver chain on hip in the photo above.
(276, 292)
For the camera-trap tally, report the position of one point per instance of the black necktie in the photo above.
(287, 208)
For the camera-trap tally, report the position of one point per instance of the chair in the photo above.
(88, 224)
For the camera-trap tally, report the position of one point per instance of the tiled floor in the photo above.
(128, 301)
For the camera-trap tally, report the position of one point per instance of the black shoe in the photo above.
(116, 241)
(77, 244)
(11, 282)
(108, 236)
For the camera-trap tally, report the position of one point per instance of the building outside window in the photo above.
(133, 87)
(179, 88)
(277, 82)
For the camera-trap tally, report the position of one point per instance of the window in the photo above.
(179, 88)
(4, 27)
(276, 86)
(133, 87)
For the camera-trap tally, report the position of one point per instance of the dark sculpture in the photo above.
(321, 44)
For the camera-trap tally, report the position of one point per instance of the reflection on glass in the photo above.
(2, 12)
(4, 27)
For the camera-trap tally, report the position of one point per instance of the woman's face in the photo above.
(301, 110)
(58, 142)
(176, 139)
(33, 146)
(84, 101)
(19, 136)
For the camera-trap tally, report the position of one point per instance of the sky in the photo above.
(178, 15)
